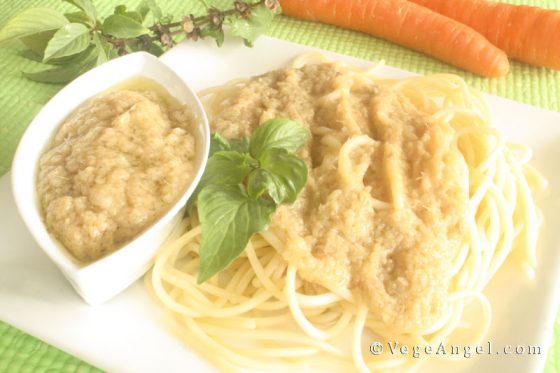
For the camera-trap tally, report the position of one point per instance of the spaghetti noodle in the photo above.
(268, 311)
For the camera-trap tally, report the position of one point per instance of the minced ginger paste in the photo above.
(115, 165)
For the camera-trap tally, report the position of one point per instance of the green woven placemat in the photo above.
(20, 352)
(21, 99)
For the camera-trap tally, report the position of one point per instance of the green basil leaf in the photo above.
(278, 133)
(31, 55)
(220, 37)
(227, 168)
(105, 50)
(240, 145)
(79, 17)
(122, 11)
(260, 182)
(223, 167)
(288, 173)
(218, 144)
(76, 58)
(32, 21)
(143, 9)
(150, 6)
(68, 40)
(250, 29)
(38, 42)
(217, 34)
(57, 61)
(166, 18)
(156, 50)
(123, 27)
(87, 7)
(228, 218)
(65, 73)
(135, 16)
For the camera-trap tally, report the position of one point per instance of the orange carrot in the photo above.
(525, 33)
(410, 25)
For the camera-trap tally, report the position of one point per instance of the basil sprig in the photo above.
(242, 185)
(69, 44)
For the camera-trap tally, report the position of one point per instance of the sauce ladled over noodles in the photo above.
(382, 214)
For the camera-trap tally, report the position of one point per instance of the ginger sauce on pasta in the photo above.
(412, 204)
(382, 214)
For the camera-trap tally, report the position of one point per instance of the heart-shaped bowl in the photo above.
(104, 278)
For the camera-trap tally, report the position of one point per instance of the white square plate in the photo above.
(129, 333)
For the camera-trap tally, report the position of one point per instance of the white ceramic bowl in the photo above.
(101, 280)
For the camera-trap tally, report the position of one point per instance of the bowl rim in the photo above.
(52, 247)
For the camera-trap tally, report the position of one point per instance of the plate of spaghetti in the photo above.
(422, 240)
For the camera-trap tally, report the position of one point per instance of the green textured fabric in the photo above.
(20, 352)
(21, 99)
